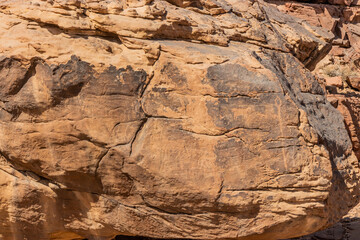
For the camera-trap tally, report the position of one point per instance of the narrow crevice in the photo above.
(159, 210)
(100, 159)
(283, 189)
(126, 122)
(85, 137)
(220, 189)
(136, 134)
(287, 146)
(142, 92)
(41, 179)
(224, 132)
(163, 117)
(218, 95)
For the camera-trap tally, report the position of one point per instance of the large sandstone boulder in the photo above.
(167, 119)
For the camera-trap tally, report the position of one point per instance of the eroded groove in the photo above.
(221, 188)
(100, 159)
(136, 134)
(223, 133)
(84, 137)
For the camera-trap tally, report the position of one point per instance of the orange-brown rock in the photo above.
(342, 63)
(354, 82)
(334, 81)
(167, 119)
(340, 68)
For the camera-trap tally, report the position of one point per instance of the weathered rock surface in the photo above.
(167, 119)
(339, 72)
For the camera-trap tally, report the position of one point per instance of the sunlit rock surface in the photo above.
(167, 119)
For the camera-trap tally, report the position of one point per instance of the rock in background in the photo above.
(167, 119)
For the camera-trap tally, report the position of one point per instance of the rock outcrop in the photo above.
(340, 69)
(339, 74)
(167, 119)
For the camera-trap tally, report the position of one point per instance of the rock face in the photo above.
(339, 73)
(339, 70)
(167, 119)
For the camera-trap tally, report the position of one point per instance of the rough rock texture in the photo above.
(340, 69)
(340, 75)
(167, 119)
